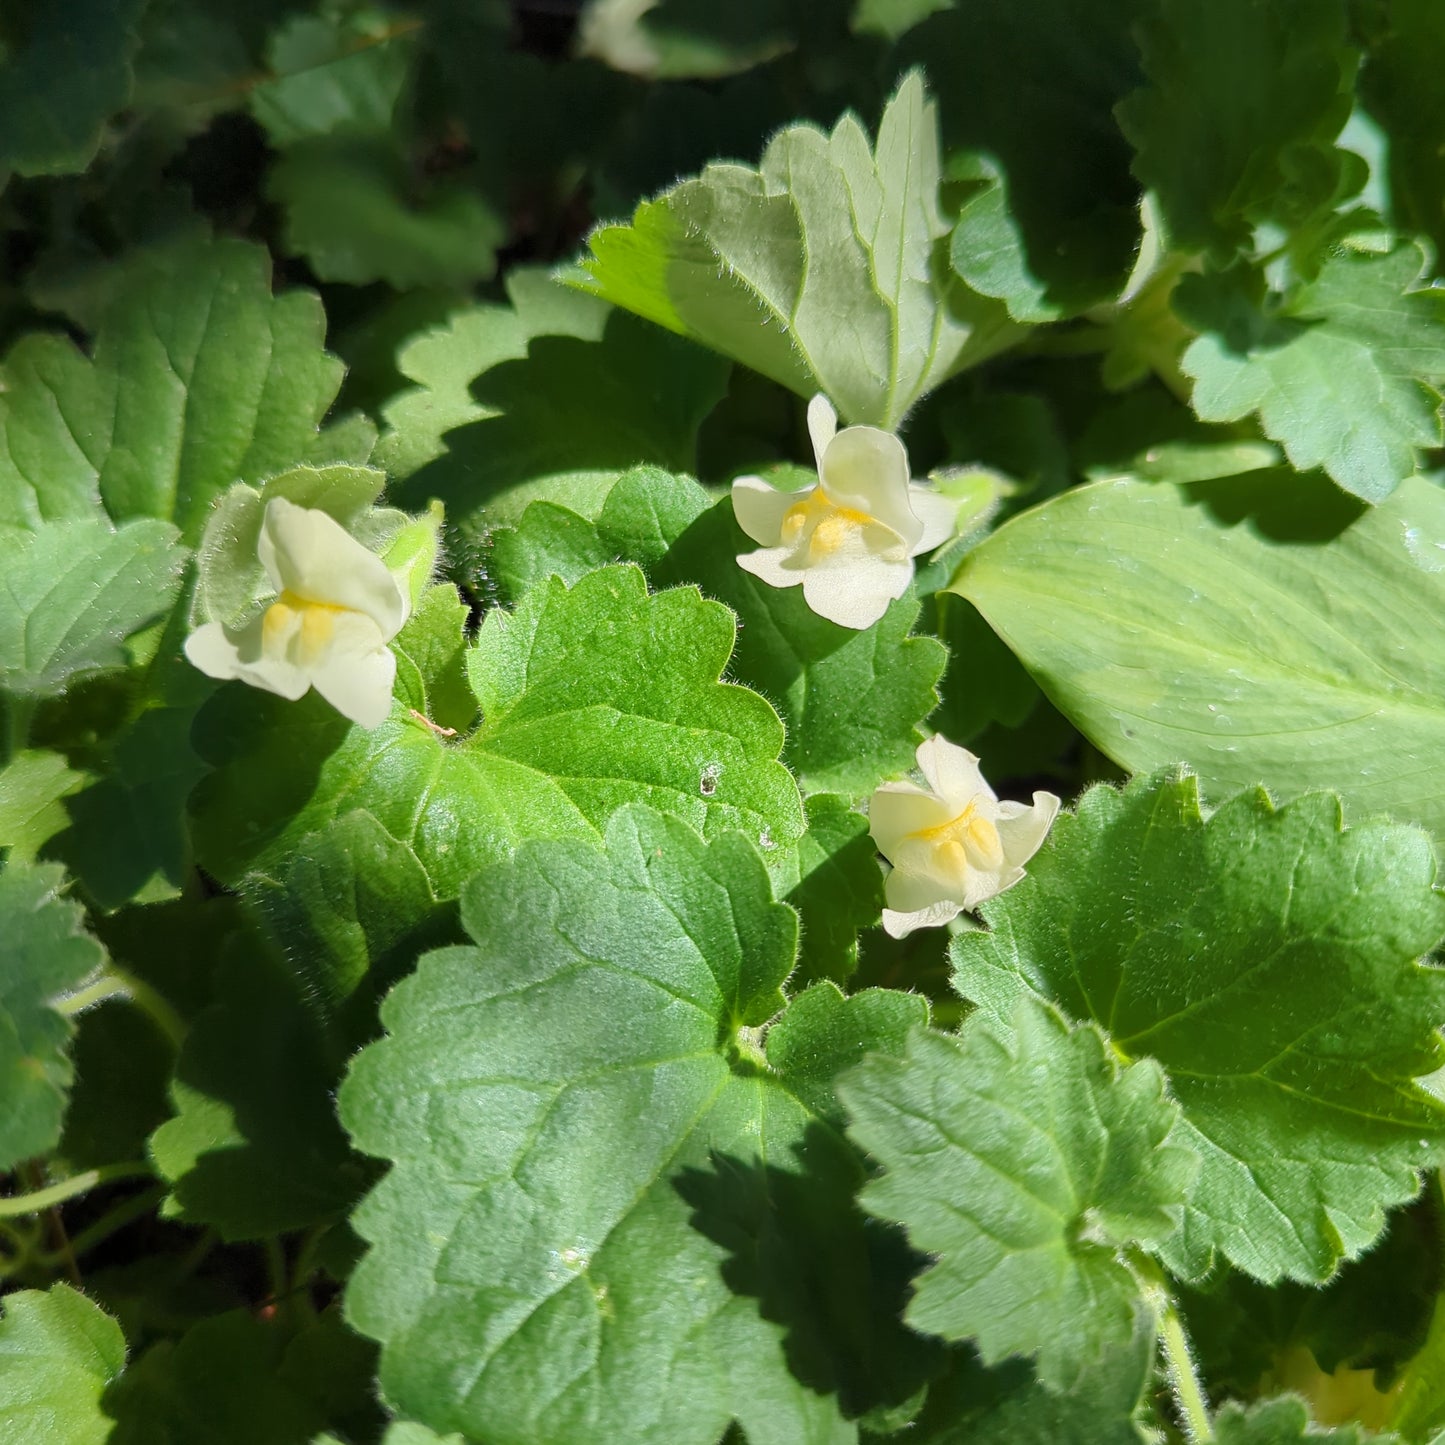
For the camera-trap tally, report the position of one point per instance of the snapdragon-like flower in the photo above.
(953, 844)
(337, 608)
(850, 539)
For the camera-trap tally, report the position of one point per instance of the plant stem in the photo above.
(117, 983)
(1183, 1377)
(39, 1199)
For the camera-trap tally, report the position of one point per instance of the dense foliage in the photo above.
(494, 1023)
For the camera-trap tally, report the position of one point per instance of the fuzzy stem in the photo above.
(1183, 1377)
(39, 1199)
(117, 983)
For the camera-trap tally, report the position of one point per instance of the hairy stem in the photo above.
(117, 983)
(36, 1200)
(1183, 1377)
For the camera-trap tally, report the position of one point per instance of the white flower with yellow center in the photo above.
(953, 844)
(337, 608)
(850, 539)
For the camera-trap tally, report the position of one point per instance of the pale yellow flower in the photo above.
(953, 844)
(850, 539)
(337, 607)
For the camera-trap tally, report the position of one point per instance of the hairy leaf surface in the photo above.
(1267, 960)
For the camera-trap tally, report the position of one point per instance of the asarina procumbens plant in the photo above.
(521, 921)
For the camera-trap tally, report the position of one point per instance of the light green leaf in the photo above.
(1237, 124)
(44, 953)
(1286, 1421)
(1025, 1160)
(356, 210)
(1196, 631)
(434, 643)
(817, 269)
(74, 591)
(199, 377)
(32, 784)
(64, 71)
(596, 1102)
(58, 1352)
(1267, 960)
(1343, 371)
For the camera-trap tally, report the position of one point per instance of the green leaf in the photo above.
(892, 18)
(254, 1148)
(74, 591)
(352, 911)
(1237, 124)
(852, 700)
(1026, 1161)
(676, 39)
(332, 74)
(32, 784)
(1007, 1405)
(1266, 959)
(58, 1352)
(817, 269)
(1343, 371)
(1400, 88)
(64, 71)
(564, 421)
(1050, 223)
(444, 361)
(836, 885)
(199, 377)
(1195, 631)
(1286, 1421)
(433, 641)
(238, 1380)
(596, 1103)
(356, 210)
(591, 698)
(44, 953)
(643, 514)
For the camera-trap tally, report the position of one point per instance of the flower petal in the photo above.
(822, 427)
(310, 554)
(223, 653)
(771, 565)
(898, 809)
(937, 513)
(952, 773)
(867, 470)
(760, 508)
(357, 671)
(900, 925)
(855, 592)
(1022, 829)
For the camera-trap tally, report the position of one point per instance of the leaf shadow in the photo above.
(835, 1279)
(1279, 504)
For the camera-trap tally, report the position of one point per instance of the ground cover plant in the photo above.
(722, 724)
